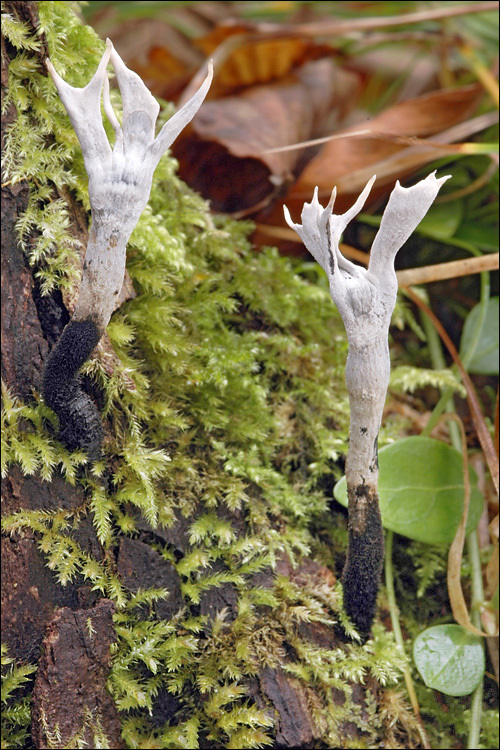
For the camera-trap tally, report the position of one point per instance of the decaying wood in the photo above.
(70, 699)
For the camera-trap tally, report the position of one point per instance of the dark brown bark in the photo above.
(70, 687)
(30, 591)
(295, 726)
(73, 671)
(141, 567)
(23, 345)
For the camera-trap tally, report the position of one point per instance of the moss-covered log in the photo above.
(208, 521)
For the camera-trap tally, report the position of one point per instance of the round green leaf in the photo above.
(421, 490)
(449, 659)
(485, 357)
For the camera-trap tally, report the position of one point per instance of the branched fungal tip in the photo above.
(120, 179)
(365, 299)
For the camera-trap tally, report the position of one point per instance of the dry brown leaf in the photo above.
(244, 59)
(166, 59)
(224, 158)
(420, 117)
(492, 566)
(223, 155)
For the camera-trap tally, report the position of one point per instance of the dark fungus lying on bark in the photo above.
(119, 187)
(365, 299)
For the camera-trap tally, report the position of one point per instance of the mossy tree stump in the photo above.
(207, 528)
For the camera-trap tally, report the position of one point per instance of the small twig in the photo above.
(327, 27)
(440, 142)
(451, 270)
(409, 276)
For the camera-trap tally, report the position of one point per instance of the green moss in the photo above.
(16, 714)
(226, 407)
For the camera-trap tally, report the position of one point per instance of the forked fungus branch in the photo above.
(119, 186)
(365, 299)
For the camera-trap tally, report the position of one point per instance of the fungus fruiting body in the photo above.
(365, 299)
(120, 180)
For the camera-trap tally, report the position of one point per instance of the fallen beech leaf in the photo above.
(430, 113)
(422, 117)
(223, 156)
(243, 58)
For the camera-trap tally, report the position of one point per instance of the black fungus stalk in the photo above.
(365, 299)
(119, 186)
(79, 419)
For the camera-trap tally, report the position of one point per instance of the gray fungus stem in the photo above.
(120, 179)
(365, 299)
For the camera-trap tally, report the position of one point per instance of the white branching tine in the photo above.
(119, 178)
(404, 212)
(111, 115)
(119, 187)
(365, 299)
(82, 105)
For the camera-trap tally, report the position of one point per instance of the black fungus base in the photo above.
(362, 570)
(79, 419)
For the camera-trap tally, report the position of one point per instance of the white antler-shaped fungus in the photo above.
(120, 180)
(365, 299)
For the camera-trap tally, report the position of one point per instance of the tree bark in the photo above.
(37, 613)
